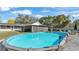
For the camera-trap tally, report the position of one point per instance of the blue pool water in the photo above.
(36, 40)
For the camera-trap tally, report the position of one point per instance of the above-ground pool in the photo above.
(35, 40)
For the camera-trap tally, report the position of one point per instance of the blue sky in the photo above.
(12, 12)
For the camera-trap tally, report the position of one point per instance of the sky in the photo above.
(12, 12)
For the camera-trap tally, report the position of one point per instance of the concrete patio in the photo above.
(73, 43)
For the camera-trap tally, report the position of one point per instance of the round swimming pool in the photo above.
(33, 40)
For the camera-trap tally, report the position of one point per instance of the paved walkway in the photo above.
(73, 44)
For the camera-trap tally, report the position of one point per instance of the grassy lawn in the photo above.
(4, 35)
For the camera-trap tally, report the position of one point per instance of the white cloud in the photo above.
(4, 21)
(5, 8)
(72, 13)
(28, 12)
(75, 15)
(38, 16)
(61, 12)
(45, 11)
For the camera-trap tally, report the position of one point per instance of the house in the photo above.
(35, 27)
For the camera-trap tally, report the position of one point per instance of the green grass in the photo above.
(4, 35)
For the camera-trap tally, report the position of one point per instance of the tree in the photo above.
(11, 21)
(58, 21)
(76, 23)
(75, 27)
(23, 19)
(34, 19)
(46, 20)
(61, 21)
